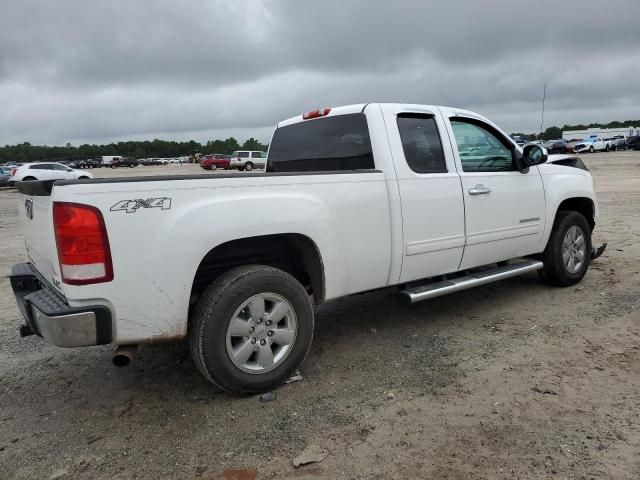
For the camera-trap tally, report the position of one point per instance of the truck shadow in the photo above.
(357, 335)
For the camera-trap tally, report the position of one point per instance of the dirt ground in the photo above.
(511, 380)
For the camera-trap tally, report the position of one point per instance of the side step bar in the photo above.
(431, 290)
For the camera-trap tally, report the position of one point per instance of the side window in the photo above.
(480, 150)
(61, 168)
(421, 143)
(243, 154)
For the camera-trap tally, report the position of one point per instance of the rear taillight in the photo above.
(83, 245)
(13, 172)
(321, 112)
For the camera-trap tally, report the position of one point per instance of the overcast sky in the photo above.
(84, 71)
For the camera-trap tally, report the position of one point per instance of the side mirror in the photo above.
(534, 154)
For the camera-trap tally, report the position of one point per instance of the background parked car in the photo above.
(214, 161)
(633, 142)
(5, 175)
(88, 163)
(11, 163)
(46, 171)
(124, 162)
(248, 159)
(558, 147)
(619, 144)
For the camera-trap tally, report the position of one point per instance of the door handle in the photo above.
(479, 190)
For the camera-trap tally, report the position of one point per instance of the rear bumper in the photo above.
(48, 315)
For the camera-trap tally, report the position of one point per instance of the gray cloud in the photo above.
(100, 71)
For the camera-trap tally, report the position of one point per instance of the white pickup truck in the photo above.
(429, 199)
(593, 144)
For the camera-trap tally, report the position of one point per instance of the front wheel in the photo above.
(568, 253)
(591, 149)
(248, 166)
(251, 328)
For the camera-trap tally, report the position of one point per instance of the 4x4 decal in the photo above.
(132, 206)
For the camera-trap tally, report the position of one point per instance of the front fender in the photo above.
(563, 183)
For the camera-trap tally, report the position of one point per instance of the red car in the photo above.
(214, 161)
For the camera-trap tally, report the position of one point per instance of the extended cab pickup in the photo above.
(430, 199)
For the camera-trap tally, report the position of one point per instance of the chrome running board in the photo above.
(431, 290)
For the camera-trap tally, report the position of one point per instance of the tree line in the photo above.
(25, 152)
(553, 133)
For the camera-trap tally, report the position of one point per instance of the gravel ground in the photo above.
(511, 380)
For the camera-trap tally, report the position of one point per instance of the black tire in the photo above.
(554, 271)
(215, 309)
(607, 148)
(113, 166)
(248, 166)
(591, 149)
(83, 177)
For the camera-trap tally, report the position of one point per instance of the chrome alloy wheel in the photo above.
(574, 249)
(261, 333)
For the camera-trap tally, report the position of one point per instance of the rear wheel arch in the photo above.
(293, 253)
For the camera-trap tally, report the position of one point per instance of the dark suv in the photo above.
(124, 162)
(558, 146)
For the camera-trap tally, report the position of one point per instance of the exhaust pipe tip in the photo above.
(123, 356)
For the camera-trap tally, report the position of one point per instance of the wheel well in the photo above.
(581, 205)
(296, 254)
(29, 177)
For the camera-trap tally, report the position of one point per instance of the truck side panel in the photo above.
(156, 250)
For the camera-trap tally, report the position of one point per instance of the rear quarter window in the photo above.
(324, 144)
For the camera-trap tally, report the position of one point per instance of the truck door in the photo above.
(430, 194)
(504, 208)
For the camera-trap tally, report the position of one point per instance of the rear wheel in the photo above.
(568, 253)
(248, 166)
(83, 177)
(591, 149)
(29, 179)
(251, 328)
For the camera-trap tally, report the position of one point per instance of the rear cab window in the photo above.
(421, 143)
(335, 143)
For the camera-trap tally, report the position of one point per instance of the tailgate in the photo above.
(35, 210)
